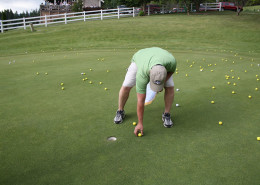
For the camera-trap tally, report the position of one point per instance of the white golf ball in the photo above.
(177, 89)
(177, 105)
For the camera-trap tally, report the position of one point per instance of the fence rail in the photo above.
(210, 6)
(66, 18)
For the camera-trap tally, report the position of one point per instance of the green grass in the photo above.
(54, 136)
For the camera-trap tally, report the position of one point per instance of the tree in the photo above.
(135, 3)
(77, 6)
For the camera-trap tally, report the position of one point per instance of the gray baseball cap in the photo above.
(158, 75)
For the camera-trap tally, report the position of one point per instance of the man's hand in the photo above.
(139, 128)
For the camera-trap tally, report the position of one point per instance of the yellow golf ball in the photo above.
(220, 123)
(233, 92)
(134, 123)
(139, 135)
(212, 102)
(100, 83)
(258, 138)
(90, 82)
(62, 88)
(256, 89)
(213, 87)
(105, 89)
(249, 96)
(61, 83)
(228, 83)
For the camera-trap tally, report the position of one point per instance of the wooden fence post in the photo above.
(84, 16)
(65, 17)
(148, 9)
(2, 26)
(24, 24)
(101, 14)
(118, 13)
(46, 24)
(133, 11)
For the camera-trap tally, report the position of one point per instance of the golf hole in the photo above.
(111, 138)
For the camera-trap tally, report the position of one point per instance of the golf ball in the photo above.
(258, 138)
(177, 89)
(61, 83)
(139, 135)
(105, 88)
(177, 105)
(220, 123)
(256, 89)
(249, 96)
(100, 83)
(233, 92)
(62, 88)
(134, 123)
(46, 73)
(90, 82)
(212, 102)
(213, 87)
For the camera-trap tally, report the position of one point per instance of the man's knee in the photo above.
(125, 89)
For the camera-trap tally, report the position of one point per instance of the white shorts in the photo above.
(130, 77)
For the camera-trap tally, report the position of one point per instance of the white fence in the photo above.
(67, 17)
(210, 6)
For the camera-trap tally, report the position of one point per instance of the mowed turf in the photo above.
(54, 136)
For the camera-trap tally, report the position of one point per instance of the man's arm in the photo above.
(140, 113)
(169, 74)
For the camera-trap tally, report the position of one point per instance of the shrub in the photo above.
(141, 13)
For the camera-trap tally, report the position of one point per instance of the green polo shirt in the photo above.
(145, 59)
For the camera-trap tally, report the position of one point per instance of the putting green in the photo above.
(54, 136)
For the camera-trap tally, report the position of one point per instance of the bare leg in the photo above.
(168, 98)
(123, 97)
